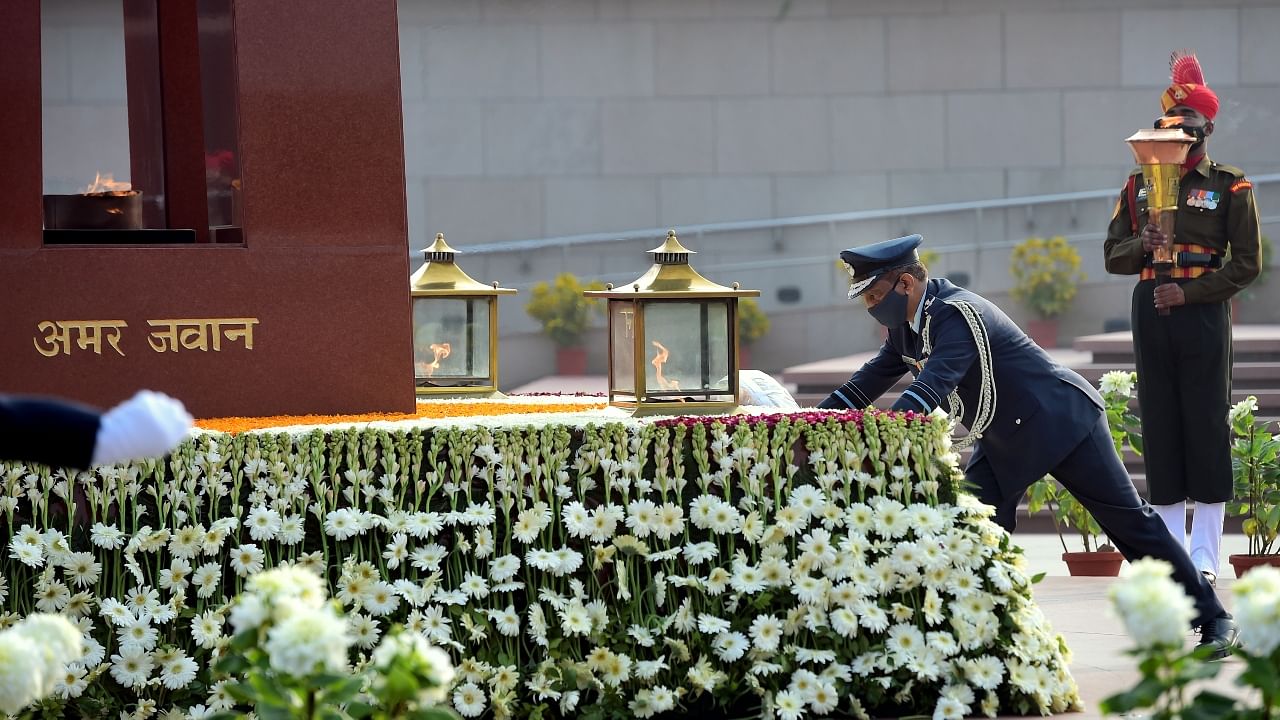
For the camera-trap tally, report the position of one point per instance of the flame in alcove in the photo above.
(441, 351)
(659, 359)
(107, 185)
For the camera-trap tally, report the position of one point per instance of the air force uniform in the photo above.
(1028, 415)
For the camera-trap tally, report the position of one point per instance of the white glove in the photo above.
(148, 424)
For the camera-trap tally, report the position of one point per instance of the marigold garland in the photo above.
(431, 410)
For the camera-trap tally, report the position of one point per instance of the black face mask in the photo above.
(1195, 131)
(891, 311)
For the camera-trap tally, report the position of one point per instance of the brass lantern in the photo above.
(673, 339)
(455, 328)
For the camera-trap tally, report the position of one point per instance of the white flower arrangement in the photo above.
(799, 564)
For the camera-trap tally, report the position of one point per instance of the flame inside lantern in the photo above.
(660, 357)
(441, 351)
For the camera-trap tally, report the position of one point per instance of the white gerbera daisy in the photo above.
(178, 672)
(469, 700)
(247, 560)
(264, 523)
(132, 666)
(206, 629)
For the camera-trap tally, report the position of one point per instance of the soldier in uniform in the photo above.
(63, 434)
(1184, 358)
(1027, 415)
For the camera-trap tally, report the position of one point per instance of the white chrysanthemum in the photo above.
(817, 545)
(288, 581)
(649, 669)
(364, 630)
(380, 598)
(574, 619)
(1155, 610)
(642, 517)
(307, 639)
(72, 684)
(891, 518)
(21, 668)
(248, 613)
(670, 521)
(823, 698)
(469, 700)
(1257, 609)
(1243, 408)
(1117, 382)
(52, 597)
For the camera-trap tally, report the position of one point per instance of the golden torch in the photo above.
(1161, 153)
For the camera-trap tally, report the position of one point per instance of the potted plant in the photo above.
(1099, 558)
(1257, 486)
(753, 324)
(565, 314)
(1046, 275)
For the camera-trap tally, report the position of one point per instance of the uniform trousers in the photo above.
(1093, 473)
(1184, 389)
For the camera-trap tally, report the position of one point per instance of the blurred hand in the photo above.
(148, 424)
(1152, 238)
(1169, 295)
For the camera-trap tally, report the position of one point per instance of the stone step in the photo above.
(1244, 375)
(1250, 343)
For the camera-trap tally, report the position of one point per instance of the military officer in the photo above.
(1027, 415)
(1184, 358)
(63, 434)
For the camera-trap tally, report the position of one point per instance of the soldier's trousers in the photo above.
(1093, 473)
(1184, 392)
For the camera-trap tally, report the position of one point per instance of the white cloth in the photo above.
(1206, 531)
(759, 389)
(148, 424)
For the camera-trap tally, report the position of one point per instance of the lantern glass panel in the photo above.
(686, 347)
(622, 331)
(451, 341)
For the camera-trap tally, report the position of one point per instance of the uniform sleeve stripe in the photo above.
(843, 399)
(856, 391)
(924, 406)
(933, 394)
(1241, 185)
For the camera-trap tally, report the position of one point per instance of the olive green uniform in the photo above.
(1184, 358)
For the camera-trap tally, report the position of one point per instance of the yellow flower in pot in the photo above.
(1046, 275)
(753, 324)
(565, 314)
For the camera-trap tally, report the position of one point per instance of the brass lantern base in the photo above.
(459, 393)
(652, 408)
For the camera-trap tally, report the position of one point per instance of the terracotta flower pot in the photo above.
(1044, 332)
(1102, 563)
(571, 361)
(1244, 563)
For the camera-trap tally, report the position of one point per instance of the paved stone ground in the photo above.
(1078, 608)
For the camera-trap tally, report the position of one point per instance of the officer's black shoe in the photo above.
(1210, 576)
(1221, 634)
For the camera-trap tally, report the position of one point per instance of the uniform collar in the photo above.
(1202, 167)
(917, 323)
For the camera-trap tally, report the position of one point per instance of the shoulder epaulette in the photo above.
(1229, 169)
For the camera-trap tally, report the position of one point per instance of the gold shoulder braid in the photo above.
(987, 392)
